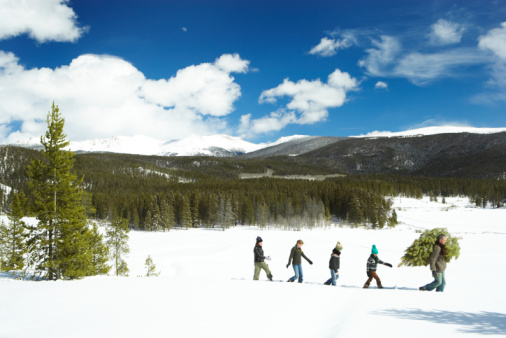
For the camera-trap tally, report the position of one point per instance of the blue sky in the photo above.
(256, 69)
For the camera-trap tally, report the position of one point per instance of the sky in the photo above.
(259, 69)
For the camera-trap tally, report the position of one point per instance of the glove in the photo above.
(388, 264)
(368, 274)
(287, 265)
(310, 262)
(268, 258)
(434, 274)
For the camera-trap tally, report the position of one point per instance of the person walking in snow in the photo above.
(260, 260)
(334, 264)
(372, 265)
(437, 262)
(295, 258)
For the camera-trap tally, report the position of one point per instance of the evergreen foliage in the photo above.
(61, 244)
(418, 253)
(13, 237)
(150, 268)
(99, 252)
(161, 193)
(117, 240)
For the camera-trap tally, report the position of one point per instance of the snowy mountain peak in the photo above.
(433, 131)
(208, 145)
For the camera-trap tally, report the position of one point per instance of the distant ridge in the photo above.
(294, 147)
(230, 146)
(434, 131)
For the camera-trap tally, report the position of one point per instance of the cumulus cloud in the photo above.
(104, 96)
(309, 102)
(42, 20)
(232, 63)
(495, 41)
(328, 47)
(381, 85)
(446, 32)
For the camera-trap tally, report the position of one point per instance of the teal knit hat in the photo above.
(374, 251)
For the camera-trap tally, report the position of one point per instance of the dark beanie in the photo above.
(259, 239)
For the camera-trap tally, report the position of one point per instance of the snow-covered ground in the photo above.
(205, 288)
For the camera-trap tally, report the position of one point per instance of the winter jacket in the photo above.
(437, 260)
(259, 254)
(296, 255)
(335, 259)
(372, 262)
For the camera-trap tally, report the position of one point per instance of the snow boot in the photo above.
(289, 281)
(326, 283)
(270, 277)
(421, 288)
(380, 286)
(366, 286)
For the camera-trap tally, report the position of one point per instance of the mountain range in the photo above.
(231, 146)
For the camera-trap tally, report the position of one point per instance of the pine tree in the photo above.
(150, 267)
(13, 237)
(392, 220)
(418, 253)
(117, 240)
(167, 215)
(148, 221)
(99, 252)
(186, 218)
(61, 240)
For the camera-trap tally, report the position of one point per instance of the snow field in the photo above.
(205, 288)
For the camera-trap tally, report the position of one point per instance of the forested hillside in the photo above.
(441, 155)
(159, 193)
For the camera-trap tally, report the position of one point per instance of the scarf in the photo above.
(443, 249)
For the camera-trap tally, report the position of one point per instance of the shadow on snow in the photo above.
(482, 322)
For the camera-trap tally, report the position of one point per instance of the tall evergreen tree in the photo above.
(167, 215)
(13, 236)
(117, 240)
(62, 236)
(186, 215)
(99, 252)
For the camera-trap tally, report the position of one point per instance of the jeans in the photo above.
(333, 277)
(438, 283)
(298, 273)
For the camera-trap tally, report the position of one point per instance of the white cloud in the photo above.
(381, 85)
(232, 63)
(382, 56)
(388, 59)
(446, 32)
(184, 29)
(495, 41)
(104, 96)
(309, 102)
(42, 20)
(423, 68)
(328, 47)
